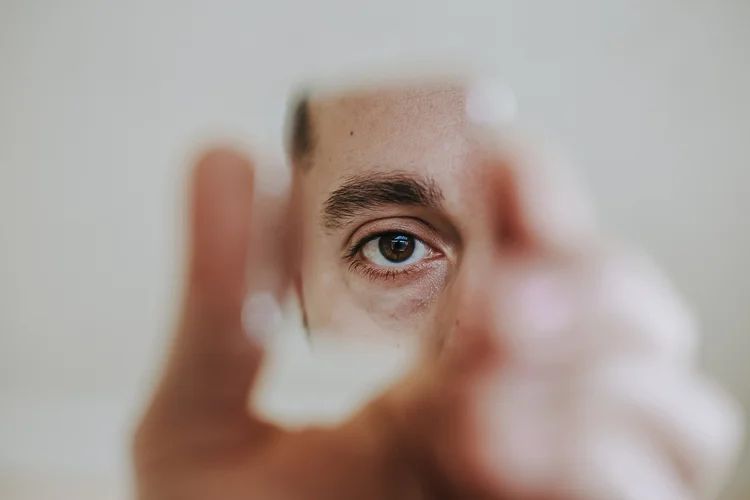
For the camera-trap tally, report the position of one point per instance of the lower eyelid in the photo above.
(387, 273)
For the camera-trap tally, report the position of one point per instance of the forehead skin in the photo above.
(398, 129)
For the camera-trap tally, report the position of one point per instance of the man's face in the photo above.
(393, 198)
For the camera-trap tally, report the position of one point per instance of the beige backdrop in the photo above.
(102, 102)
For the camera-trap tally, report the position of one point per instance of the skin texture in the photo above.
(379, 135)
(556, 365)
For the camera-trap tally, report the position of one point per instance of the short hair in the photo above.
(300, 135)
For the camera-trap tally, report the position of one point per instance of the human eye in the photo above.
(392, 253)
(394, 249)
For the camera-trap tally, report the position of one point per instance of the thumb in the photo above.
(213, 361)
(541, 219)
(551, 201)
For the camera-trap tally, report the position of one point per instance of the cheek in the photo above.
(340, 302)
(405, 308)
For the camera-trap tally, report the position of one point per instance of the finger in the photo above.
(621, 465)
(543, 437)
(541, 201)
(221, 206)
(633, 309)
(572, 312)
(538, 209)
(213, 362)
(540, 212)
(525, 423)
(619, 302)
(615, 304)
(698, 425)
(557, 211)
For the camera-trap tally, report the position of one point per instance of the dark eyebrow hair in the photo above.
(371, 190)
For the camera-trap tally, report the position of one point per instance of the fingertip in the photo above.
(543, 201)
(222, 194)
(222, 166)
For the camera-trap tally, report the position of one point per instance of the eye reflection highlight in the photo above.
(394, 249)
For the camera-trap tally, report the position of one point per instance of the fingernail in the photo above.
(261, 315)
(526, 424)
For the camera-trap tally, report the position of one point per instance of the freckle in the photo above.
(456, 322)
(351, 132)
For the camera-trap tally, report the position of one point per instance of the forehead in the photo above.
(409, 128)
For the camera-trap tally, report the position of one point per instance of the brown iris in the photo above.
(396, 247)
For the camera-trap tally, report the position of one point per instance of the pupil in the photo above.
(396, 247)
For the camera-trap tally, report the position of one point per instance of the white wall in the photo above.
(101, 104)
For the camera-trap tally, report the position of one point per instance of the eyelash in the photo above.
(373, 273)
(358, 265)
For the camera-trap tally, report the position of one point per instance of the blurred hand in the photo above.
(566, 374)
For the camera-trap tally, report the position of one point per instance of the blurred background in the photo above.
(104, 103)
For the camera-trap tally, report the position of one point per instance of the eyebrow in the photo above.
(364, 192)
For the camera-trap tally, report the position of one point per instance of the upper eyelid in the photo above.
(364, 241)
(432, 235)
(356, 247)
